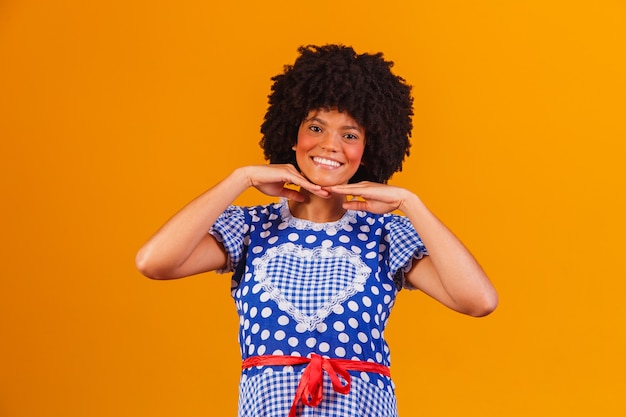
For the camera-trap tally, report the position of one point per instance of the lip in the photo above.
(328, 163)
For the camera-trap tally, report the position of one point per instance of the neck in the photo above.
(318, 209)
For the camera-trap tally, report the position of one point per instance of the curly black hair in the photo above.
(336, 77)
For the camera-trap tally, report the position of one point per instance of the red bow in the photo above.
(310, 388)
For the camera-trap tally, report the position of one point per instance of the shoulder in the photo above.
(399, 232)
(387, 223)
(390, 221)
(254, 212)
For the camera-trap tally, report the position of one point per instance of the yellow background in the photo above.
(113, 114)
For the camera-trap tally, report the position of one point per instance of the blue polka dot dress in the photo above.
(304, 288)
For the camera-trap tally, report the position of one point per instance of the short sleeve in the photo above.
(230, 229)
(405, 245)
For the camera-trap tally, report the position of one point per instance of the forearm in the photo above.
(461, 277)
(175, 242)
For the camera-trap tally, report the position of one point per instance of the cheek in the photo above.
(300, 150)
(303, 144)
(356, 153)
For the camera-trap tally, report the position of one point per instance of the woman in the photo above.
(315, 275)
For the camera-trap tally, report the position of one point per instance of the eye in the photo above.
(350, 136)
(314, 128)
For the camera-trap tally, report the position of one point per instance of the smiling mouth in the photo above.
(326, 162)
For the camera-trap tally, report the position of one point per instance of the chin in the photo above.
(325, 182)
(328, 180)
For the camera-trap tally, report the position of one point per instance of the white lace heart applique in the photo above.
(308, 283)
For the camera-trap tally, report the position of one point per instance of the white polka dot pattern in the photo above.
(302, 287)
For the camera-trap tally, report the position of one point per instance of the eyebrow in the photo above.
(323, 122)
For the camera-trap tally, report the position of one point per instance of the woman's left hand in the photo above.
(450, 274)
(371, 196)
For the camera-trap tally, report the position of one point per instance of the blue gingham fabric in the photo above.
(328, 288)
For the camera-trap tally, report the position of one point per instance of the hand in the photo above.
(375, 198)
(271, 180)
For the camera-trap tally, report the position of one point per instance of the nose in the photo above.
(329, 142)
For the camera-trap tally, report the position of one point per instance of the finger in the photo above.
(350, 189)
(340, 189)
(292, 194)
(357, 205)
(319, 192)
(312, 188)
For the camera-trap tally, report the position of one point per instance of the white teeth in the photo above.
(324, 161)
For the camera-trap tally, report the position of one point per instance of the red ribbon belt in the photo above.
(310, 386)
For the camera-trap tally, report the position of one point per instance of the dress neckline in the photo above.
(302, 224)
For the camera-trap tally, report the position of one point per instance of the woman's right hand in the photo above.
(182, 246)
(272, 180)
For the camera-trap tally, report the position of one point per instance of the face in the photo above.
(330, 147)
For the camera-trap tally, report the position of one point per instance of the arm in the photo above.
(183, 246)
(450, 274)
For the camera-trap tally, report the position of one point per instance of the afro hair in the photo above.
(336, 77)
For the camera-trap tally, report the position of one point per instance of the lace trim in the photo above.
(310, 322)
(302, 224)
